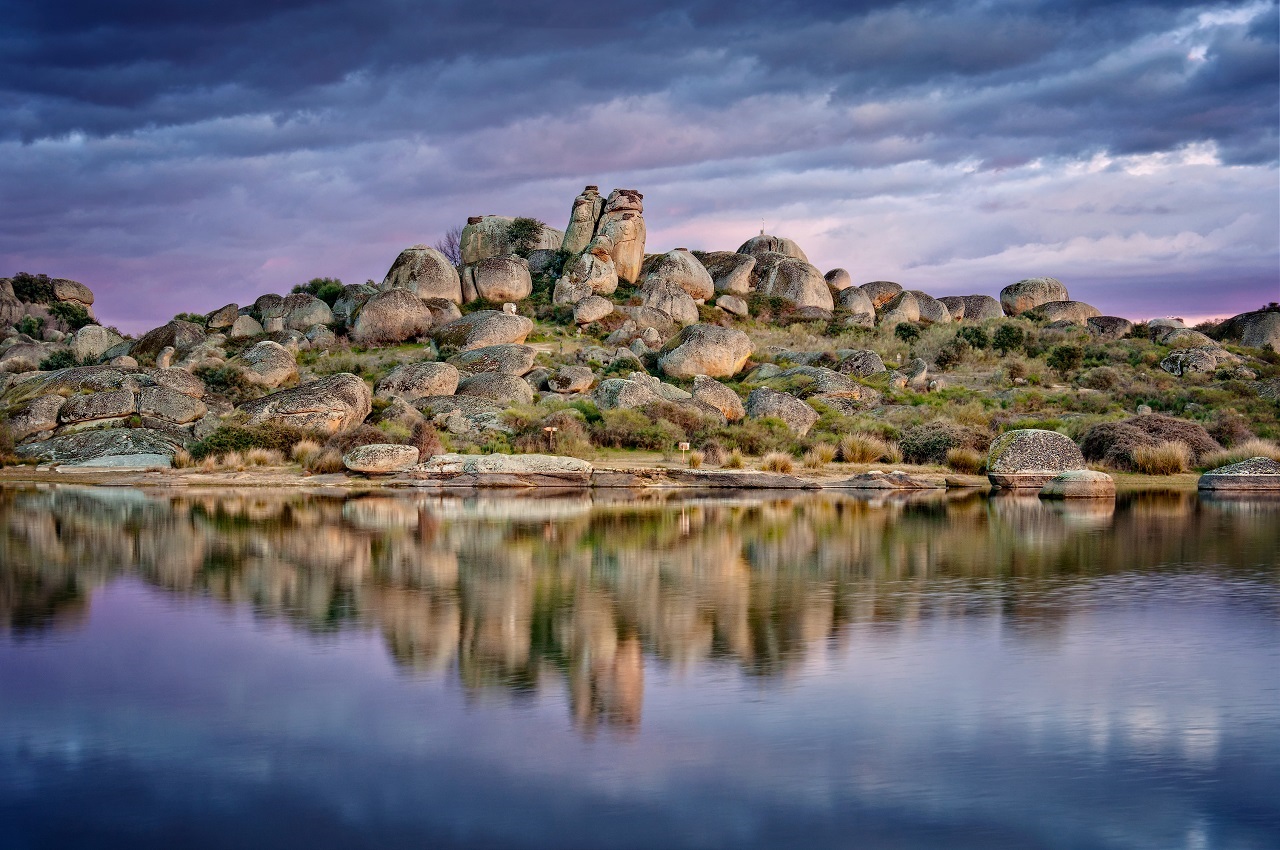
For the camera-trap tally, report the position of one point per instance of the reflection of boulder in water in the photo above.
(1159, 503)
(380, 513)
(1085, 514)
(422, 630)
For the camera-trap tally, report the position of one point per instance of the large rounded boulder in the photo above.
(764, 243)
(766, 403)
(482, 328)
(1259, 329)
(329, 405)
(881, 292)
(1251, 475)
(412, 381)
(380, 458)
(500, 279)
(506, 359)
(391, 317)
(179, 335)
(979, 308)
(730, 272)
(267, 364)
(1018, 298)
(1075, 312)
(794, 280)
(705, 350)
(671, 300)
(680, 268)
(302, 310)
(426, 273)
(1030, 457)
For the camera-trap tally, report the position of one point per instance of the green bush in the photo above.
(327, 289)
(952, 353)
(34, 288)
(76, 316)
(228, 381)
(632, 429)
(1008, 338)
(241, 438)
(30, 325)
(907, 332)
(523, 235)
(58, 360)
(1064, 359)
(976, 337)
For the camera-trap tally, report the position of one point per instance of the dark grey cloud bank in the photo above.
(177, 156)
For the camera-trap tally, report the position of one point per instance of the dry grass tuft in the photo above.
(777, 462)
(182, 459)
(330, 460)
(1167, 458)
(966, 461)
(263, 457)
(734, 460)
(696, 459)
(1254, 447)
(867, 448)
(232, 460)
(305, 451)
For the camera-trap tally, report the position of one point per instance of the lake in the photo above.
(243, 668)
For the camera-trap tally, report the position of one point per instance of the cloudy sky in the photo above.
(177, 156)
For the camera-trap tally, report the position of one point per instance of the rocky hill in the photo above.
(579, 342)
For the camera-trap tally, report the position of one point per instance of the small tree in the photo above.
(907, 332)
(975, 336)
(451, 245)
(1008, 338)
(1065, 358)
(327, 289)
(523, 235)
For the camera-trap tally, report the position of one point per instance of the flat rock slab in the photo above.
(1079, 484)
(1254, 474)
(504, 471)
(1020, 480)
(895, 480)
(134, 461)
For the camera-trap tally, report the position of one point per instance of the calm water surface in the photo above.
(247, 669)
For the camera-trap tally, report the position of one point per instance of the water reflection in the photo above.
(511, 595)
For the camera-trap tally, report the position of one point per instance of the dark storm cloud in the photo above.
(165, 145)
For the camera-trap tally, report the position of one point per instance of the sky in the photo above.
(178, 156)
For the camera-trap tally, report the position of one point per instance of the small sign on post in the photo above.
(551, 437)
(684, 448)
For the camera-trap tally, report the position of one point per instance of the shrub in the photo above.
(777, 462)
(1241, 451)
(523, 235)
(712, 452)
(194, 318)
(864, 448)
(952, 353)
(76, 316)
(30, 325)
(1008, 338)
(34, 288)
(930, 443)
(63, 359)
(1102, 378)
(695, 459)
(327, 289)
(426, 439)
(1113, 444)
(758, 436)
(361, 435)
(907, 332)
(631, 429)
(976, 337)
(227, 380)
(734, 460)
(1168, 428)
(1065, 358)
(1229, 428)
(242, 438)
(1166, 458)
(965, 460)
